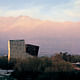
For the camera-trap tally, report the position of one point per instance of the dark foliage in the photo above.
(70, 58)
(40, 69)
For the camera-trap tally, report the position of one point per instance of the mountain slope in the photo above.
(51, 36)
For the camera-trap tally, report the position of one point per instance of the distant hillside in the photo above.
(51, 36)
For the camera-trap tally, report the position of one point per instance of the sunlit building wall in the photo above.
(16, 49)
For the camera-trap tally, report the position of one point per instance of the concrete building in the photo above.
(32, 49)
(16, 49)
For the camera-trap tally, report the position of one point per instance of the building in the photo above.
(18, 49)
(32, 49)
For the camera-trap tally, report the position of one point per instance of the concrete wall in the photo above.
(16, 49)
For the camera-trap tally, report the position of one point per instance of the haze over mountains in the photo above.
(51, 36)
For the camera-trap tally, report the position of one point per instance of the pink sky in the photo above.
(51, 36)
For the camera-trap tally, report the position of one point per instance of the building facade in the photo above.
(16, 49)
(32, 49)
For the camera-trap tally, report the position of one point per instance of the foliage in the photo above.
(34, 67)
(42, 68)
(3, 62)
(70, 58)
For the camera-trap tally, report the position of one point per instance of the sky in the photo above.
(53, 10)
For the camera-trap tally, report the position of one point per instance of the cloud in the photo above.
(74, 12)
(67, 11)
(33, 11)
(77, 3)
(0, 11)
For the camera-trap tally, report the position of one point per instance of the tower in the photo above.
(16, 49)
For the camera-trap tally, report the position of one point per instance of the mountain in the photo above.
(51, 36)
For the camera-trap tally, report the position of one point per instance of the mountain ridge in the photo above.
(51, 36)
